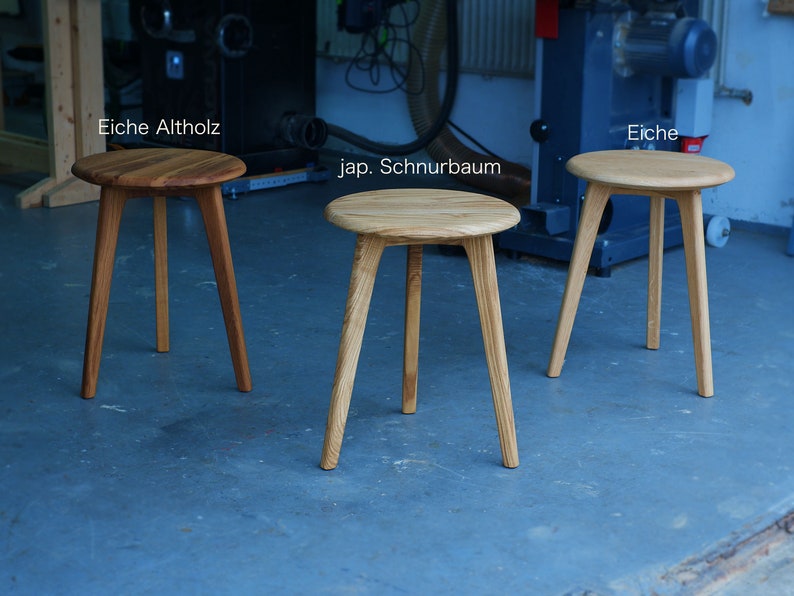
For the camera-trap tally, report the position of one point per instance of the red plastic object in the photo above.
(692, 144)
(547, 18)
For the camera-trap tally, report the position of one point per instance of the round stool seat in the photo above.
(158, 168)
(650, 170)
(421, 214)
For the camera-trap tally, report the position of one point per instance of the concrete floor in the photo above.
(170, 481)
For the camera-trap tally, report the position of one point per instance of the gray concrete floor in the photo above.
(170, 481)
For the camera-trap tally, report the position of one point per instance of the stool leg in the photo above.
(691, 210)
(210, 201)
(413, 300)
(655, 258)
(161, 273)
(481, 258)
(111, 206)
(362, 279)
(596, 197)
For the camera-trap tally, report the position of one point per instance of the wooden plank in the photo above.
(74, 99)
(70, 192)
(87, 101)
(87, 69)
(24, 152)
(780, 7)
(32, 197)
(59, 101)
(59, 98)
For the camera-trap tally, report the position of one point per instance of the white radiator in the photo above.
(496, 36)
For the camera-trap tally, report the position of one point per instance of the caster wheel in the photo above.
(718, 231)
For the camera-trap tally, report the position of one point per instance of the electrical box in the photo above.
(694, 99)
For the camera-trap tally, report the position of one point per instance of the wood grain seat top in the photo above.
(158, 168)
(421, 214)
(650, 170)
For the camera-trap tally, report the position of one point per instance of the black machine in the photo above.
(612, 75)
(236, 76)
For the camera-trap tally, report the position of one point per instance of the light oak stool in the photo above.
(133, 173)
(659, 175)
(415, 217)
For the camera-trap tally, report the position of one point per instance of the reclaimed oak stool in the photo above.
(415, 217)
(158, 173)
(658, 175)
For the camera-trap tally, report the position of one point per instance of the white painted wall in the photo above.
(496, 111)
(757, 140)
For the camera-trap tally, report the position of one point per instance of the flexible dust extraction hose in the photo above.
(439, 119)
(513, 180)
(437, 29)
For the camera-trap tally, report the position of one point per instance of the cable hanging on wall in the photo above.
(436, 36)
(385, 44)
(450, 16)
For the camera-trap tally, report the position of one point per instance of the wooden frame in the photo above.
(72, 31)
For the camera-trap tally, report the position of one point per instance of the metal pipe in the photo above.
(717, 13)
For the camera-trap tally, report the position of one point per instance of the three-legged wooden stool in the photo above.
(415, 217)
(159, 173)
(659, 175)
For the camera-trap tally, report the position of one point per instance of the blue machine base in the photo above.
(611, 247)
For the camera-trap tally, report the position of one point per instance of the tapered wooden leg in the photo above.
(161, 273)
(111, 206)
(655, 258)
(691, 210)
(481, 258)
(413, 299)
(596, 197)
(362, 279)
(210, 202)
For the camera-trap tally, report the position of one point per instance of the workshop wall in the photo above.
(757, 139)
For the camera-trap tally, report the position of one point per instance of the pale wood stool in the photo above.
(158, 173)
(415, 217)
(659, 175)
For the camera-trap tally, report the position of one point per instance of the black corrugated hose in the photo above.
(437, 24)
(450, 88)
